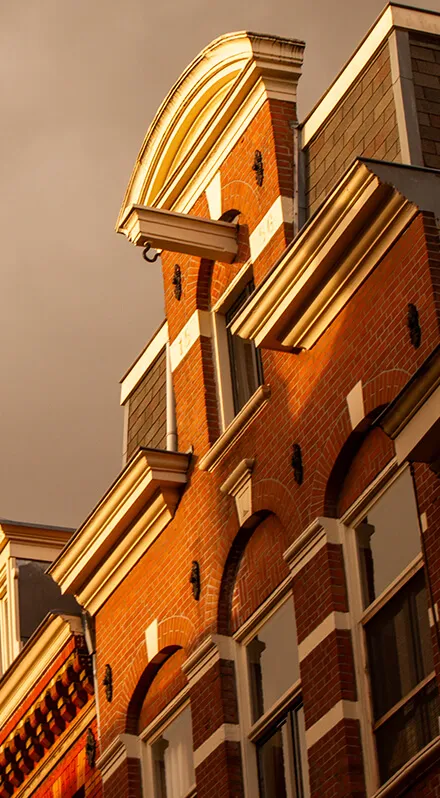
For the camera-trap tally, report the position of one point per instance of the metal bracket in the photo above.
(145, 254)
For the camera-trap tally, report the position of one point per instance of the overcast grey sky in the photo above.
(80, 82)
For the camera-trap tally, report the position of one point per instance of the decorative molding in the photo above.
(335, 252)
(124, 746)
(343, 710)
(211, 650)
(46, 720)
(197, 325)
(297, 464)
(413, 321)
(412, 397)
(258, 168)
(227, 732)
(130, 516)
(320, 532)
(239, 485)
(177, 282)
(34, 661)
(33, 535)
(180, 232)
(194, 579)
(133, 376)
(393, 16)
(239, 424)
(404, 98)
(230, 80)
(333, 621)
(57, 753)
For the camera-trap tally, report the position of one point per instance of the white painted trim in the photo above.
(124, 746)
(239, 486)
(348, 75)
(234, 289)
(269, 607)
(152, 639)
(418, 426)
(227, 732)
(157, 726)
(375, 489)
(404, 98)
(211, 650)
(342, 710)
(281, 212)
(199, 324)
(305, 548)
(393, 16)
(355, 404)
(333, 621)
(236, 428)
(143, 363)
(214, 196)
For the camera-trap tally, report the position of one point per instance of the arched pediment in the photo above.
(205, 112)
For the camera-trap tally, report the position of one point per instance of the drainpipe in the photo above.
(299, 204)
(171, 408)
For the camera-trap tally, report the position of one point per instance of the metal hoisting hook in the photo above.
(145, 254)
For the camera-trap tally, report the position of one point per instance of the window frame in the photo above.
(151, 733)
(221, 346)
(360, 615)
(254, 732)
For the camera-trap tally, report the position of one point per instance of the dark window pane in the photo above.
(245, 360)
(409, 730)
(271, 767)
(273, 659)
(389, 538)
(399, 645)
(38, 594)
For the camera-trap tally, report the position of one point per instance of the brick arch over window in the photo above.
(272, 528)
(173, 635)
(344, 443)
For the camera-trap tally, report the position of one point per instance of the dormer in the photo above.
(27, 593)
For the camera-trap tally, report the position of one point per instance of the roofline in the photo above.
(370, 43)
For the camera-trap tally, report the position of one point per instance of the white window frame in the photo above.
(225, 394)
(359, 615)
(153, 732)
(250, 731)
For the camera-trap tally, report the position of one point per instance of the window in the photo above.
(278, 730)
(405, 701)
(244, 359)
(237, 361)
(170, 758)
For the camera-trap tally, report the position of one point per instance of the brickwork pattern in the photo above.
(331, 776)
(72, 773)
(327, 675)
(425, 60)
(213, 701)
(363, 123)
(147, 409)
(220, 774)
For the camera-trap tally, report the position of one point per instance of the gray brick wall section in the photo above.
(364, 123)
(147, 409)
(425, 60)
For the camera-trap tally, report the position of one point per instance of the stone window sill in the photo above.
(237, 426)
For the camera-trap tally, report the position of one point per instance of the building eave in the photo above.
(124, 524)
(336, 250)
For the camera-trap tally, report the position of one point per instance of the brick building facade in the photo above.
(261, 582)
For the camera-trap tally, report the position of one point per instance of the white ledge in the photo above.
(179, 232)
(335, 252)
(247, 413)
(125, 523)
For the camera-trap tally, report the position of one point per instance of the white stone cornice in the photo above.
(180, 232)
(124, 524)
(205, 113)
(341, 244)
